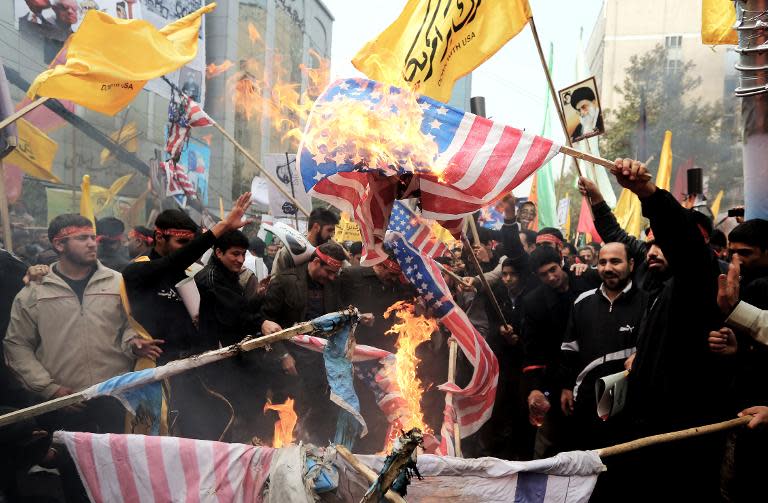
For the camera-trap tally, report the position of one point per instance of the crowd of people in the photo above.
(681, 313)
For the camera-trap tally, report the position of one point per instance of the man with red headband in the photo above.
(69, 331)
(141, 240)
(293, 296)
(109, 233)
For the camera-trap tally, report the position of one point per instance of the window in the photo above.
(673, 42)
(674, 65)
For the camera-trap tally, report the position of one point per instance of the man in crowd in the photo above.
(140, 241)
(69, 331)
(321, 227)
(587, 256)
(109, 232)
(528, 238)
(293, 296)
(546, 312)
(601, 335)
(155, 304)
(355, 252)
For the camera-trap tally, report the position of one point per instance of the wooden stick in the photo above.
(264, 172)
(450, 273)
(5, 212)
(473, 229)
(484, 281)
(170, 369)
(366, 472)
(672, 436)
(453, 354)
(23, 111)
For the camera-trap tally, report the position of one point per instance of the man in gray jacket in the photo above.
(70, 331)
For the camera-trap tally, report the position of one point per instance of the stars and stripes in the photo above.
(473, 404)
(181, 117)
(176, 180)
(477, 162)
(415, 230)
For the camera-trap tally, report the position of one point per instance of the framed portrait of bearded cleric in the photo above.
(580, 104)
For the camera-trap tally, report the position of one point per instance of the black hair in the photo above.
(702, 220)
(717, 238)
(333, 250)
(109, 226)
(571, 248)
(552, 232)
(175, 219)
(356, 248)
(627, 251)
(257, 246)
(544, 255)
(444, 260)
(66, 220)
(528, 202)
(752, 232)
(144, 231)
(231, 239)
(322, 217)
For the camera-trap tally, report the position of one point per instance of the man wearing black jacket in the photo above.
(546, 311)
(675, 382)
(156, 305)
(601, 335)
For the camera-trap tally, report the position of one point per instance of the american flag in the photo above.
(484, 161)
(473, 404)
(182, 116)
(415, 230)
(176, 180)
(161, 469)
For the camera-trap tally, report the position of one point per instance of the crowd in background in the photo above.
(679, 310)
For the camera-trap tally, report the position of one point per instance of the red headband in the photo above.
(141, 237)
(72, 230)
(541, 238)
(178, 233)
(336, 264)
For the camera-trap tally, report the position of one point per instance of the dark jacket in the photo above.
(115, 260)
(157, 306)
(226, 315)
(676, 382)
(600, 336)
(360, 287)
(545, 319)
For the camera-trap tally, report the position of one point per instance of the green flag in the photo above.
(545, 180)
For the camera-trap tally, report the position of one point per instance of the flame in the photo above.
(253, 33)
(213, 69)
(285, 424)
(411, 331)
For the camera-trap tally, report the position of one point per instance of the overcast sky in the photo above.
(512, 81)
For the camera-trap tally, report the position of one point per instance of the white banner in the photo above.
(283, 168)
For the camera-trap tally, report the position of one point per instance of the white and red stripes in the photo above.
(177, 133)
(138, 468)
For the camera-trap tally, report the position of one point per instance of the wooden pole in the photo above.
(672, 436)
(23, 111)
(473, 229)
(484, 281)
(453, 354)
(264, 172)
(5, 212)
(366, 472)
(450, 273)
(172, 368)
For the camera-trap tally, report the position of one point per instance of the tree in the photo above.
(665, 91)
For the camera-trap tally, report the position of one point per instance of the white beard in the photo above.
(589, 121)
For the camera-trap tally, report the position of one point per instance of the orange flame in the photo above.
(411, 330)
(285, 424)
(213, 69)
(253, 33)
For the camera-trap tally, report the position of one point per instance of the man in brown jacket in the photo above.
(70, 331)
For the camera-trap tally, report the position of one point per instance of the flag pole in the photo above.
(175, 367)
(264, 172)
(5, 213)
(453, 354)
(484, 281)
(23, 111)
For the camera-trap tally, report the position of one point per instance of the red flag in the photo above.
(586, 224)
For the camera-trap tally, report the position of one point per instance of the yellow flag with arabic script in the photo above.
(109, 60)
(717, 20)
(35, 152)
(432, 45)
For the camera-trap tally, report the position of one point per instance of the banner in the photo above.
(282, 167)
(196, 158)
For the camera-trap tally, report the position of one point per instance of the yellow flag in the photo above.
(716, 205)
(717, 20)
(35, 152)
(127, 137)
(86, 208)
(629, 213)
(432, 44)
(109, 60)
(347, 230)
(664, 175)
(102, 198)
